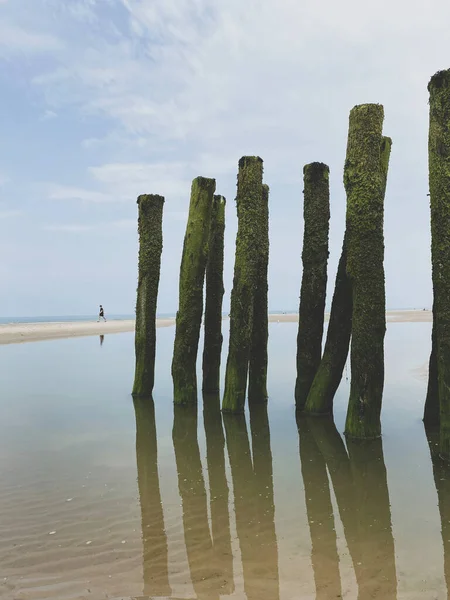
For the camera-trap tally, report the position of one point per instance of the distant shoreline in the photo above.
(17, 333)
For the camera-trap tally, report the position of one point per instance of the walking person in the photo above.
(101, 314)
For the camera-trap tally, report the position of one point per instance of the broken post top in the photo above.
(149, 199)
(245, 161)
(316, 170)
(204, 183)
(219, 199)
(441, 79)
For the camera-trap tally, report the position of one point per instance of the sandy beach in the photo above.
(16, 333)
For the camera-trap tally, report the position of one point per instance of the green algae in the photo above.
(249, 202)
(257, 380)
(192, 275)
(365, 177)
(214, 295)
(439, 183)
(329, 374)
(316, 212)
(150, 211)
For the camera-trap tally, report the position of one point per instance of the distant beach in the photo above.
(27, 331)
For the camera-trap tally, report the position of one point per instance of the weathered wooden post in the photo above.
(249, 201)
(439, 182)
(214, 295)
(150, 210)
(257, 379)
(365, 176)
(329, 374)
(192, 276)
(316, 212)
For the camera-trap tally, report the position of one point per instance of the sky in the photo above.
(103, 100)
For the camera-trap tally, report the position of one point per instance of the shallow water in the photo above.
(101, 498)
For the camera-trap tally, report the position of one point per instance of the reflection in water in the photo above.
(155, 567)
(253, 502)
(210, 569)
(218, 489)
(324, 554)
(441, 473)
(360, 486)
(102, 337)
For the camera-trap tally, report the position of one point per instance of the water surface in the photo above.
(101, 497)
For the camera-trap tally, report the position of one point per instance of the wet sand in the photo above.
(16, 333)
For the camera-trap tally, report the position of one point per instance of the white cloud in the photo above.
(59, 192)
(108, 227)
(14, 39)
(9, 214)
(48, 115)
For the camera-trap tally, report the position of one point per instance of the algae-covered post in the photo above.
(439, 182)
(150, 210)
(365, 176)
(249, 201)
(192, 276)
(316, 213)
(257, 378)
(329, 374)
(214, 295)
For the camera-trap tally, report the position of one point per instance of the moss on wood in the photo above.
(431, 415)
(329, 374)
(214, 296)
(192, 276)
(248, 200)
(257, 380)
(439, 183)
(316, 212)
(150, 211)
(365, 183)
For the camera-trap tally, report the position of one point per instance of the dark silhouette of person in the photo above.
(101, 314)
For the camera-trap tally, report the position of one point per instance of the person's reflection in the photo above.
(360, 487)
(441, 473)
(319, 510)
(191, 485)
(218, 488)
(154, 540)
(254, 512)
(102, 337)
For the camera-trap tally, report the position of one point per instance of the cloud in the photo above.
(48, 115)
(14, 39)
(9, 214)
(108, 227)
(59, 192)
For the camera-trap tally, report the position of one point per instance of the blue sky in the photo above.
(102, 100)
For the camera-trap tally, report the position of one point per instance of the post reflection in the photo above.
(154, 540)
(191, 485)
(253, 502)
(360, 486)
(324, 554)
(218, 490)
(441, 474)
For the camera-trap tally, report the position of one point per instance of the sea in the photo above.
(103, 497)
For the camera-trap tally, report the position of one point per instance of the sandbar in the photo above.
(16, 333)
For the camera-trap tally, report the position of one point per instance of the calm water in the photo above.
(101, 498)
